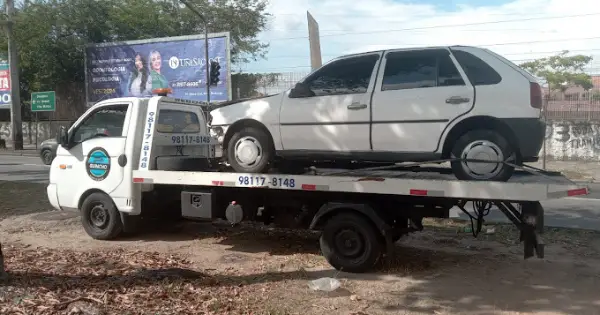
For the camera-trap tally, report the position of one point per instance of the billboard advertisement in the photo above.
(4, 82)
(135, 68)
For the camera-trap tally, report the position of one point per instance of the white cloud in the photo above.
(370, 25)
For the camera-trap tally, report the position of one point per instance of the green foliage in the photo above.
(561, 70)
(51, 34)
(246, 84)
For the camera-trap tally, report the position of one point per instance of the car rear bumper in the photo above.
(530, 134)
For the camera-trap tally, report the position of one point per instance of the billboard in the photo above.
(135, 68)
(5, 99)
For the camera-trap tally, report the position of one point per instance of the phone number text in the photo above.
(266, 181)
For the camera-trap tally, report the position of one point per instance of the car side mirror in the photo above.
(301, 90)
(63, 137)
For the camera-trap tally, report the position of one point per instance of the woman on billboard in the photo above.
(140, 82)
(158, 80)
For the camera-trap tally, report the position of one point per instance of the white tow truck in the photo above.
(155, 156)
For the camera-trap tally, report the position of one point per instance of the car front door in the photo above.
(418, 95)
(336, 117)
(91, 159)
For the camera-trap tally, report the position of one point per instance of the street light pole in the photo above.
(201, 16)
(13, 65)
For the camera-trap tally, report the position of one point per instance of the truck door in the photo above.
(96, 141)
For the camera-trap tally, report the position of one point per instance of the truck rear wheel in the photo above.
(100, 217)
(351, 243)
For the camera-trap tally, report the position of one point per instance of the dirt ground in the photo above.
(203, 268)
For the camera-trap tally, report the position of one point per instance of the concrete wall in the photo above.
(573, 140)
(46, 129)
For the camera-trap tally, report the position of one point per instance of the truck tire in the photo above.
(250, 151)
(100, 217)
(351, 243)
(483, 145)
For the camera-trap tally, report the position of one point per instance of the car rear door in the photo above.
(418, 93)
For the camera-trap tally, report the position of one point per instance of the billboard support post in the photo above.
(206, 58)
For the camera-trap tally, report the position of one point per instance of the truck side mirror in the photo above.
(301, 90)
(63, 137)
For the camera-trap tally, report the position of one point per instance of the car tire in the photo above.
(100, 218)
(250, 150)
(482, 145)
(349, 229)
(47, 156)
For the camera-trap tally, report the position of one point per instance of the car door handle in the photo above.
(357, 106)
(454, 100)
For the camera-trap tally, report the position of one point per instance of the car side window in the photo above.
(423, 69)
(107, 121)
(477, 70)
(448, 74)
(346, 76)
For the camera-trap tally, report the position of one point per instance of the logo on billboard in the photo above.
(174, 62)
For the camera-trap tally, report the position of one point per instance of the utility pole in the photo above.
(203, 18)
(314, 42)
(13, 64)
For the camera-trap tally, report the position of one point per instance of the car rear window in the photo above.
(177, 121)
(478, 72)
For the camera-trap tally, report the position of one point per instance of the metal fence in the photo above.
(573, 107)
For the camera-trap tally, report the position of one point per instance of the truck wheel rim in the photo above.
(482, 150)
(248, 151)
(349, 243)
(99, 217)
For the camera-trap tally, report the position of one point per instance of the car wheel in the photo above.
(250, 151)
(100, 218)
(351, 243)
(47, 156)
(482, 145)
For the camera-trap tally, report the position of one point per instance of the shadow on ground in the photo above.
(439, 282)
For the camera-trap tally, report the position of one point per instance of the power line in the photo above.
(435, 15)
(486, 45)
(440, 26)
(509, 54)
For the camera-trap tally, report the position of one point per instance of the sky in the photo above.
(520, 30)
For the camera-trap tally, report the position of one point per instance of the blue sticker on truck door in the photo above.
(98, 164)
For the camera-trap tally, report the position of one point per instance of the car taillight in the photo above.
(535, 94)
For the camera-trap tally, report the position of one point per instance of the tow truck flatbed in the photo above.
(428, 182)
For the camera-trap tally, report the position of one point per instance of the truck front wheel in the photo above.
(351, 243)
(100, 217)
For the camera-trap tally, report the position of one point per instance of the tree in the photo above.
(561, 71)
(247, 85)
(51, 34)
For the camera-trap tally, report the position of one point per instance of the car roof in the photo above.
(403, 48)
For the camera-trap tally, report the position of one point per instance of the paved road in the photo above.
(567, 212)
(23, 168)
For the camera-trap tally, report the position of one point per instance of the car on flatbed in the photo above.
(467, 104)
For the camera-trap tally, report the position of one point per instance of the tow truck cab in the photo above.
(101, 149)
